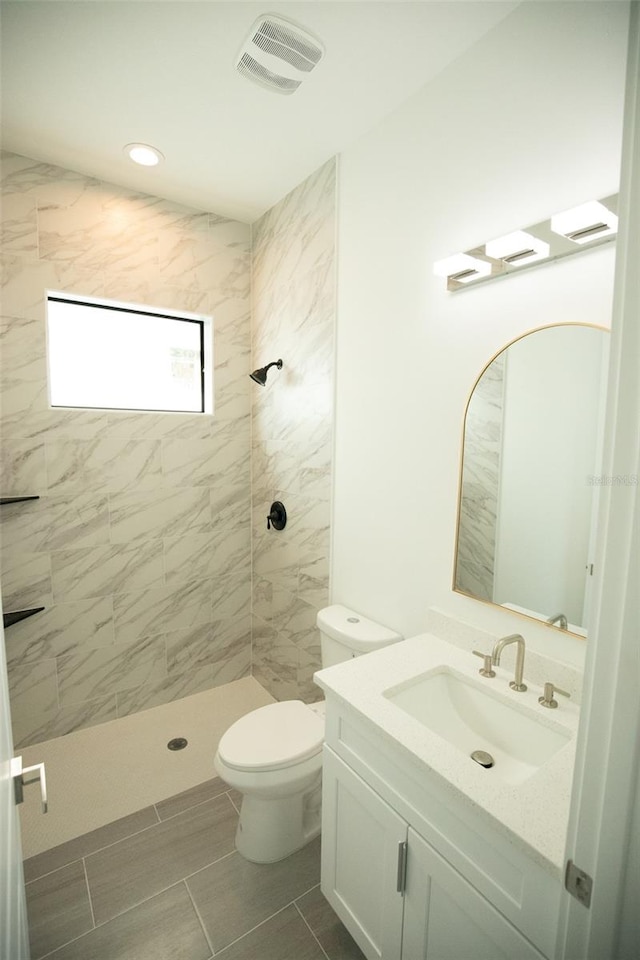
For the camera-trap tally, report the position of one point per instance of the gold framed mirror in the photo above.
(528, 489)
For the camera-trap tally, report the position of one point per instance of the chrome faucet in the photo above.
(516, 683)
(560, 619)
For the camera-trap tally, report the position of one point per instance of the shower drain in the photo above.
(178, 743)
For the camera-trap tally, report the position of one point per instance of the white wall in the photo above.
(526, 124)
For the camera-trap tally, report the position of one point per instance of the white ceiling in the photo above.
(82, 78)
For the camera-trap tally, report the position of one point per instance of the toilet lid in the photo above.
(277, 735)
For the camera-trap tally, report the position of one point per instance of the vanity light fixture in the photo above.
(462, 268)
(143, 154)
(589, 221)
(517, 248)
(563, 235)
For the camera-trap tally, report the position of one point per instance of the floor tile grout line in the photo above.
(103, 923)
(153, 805)
(305, 892)
(61, 946)
(233, 806)
(253, 929)
(291, 903)
(133, 906)
(300, 896)
(222, 793)
(91, 854)
(97, 849)
(200, 920)
(86, 880)
(139, 903)
(193, 807)
(225, 856)
(177, 883)
(311, 931)
(164, 890)
(129, 836)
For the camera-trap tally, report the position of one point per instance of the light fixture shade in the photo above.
(462, 268)
(589, 221)
(143, 154)
(517, 248)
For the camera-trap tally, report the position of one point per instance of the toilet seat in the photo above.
(273, 737)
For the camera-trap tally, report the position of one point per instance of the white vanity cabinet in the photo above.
(445, 918)
(361, 838)
(396, 895)
(409, 875)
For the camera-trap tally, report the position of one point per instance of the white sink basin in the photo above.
(472, 717)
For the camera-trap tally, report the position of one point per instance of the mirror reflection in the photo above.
(529, 483)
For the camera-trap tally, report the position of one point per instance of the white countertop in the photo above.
(535, 812)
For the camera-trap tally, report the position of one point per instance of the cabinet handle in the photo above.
(402, 866)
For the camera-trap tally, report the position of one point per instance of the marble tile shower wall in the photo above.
(475, 569)
(139, 547)
(293, 317)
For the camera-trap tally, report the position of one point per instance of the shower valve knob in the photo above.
(277, 517)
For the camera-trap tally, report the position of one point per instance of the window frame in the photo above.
(205, 323)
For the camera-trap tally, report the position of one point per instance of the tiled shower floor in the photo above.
(166, 883)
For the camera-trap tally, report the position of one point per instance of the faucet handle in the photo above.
(487, 670)
(547, 699)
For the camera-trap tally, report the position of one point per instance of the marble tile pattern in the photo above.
(293, 318)
(481, 484)
(140, 544)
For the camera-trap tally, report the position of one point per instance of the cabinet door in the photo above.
(445, 918)
(361, 836)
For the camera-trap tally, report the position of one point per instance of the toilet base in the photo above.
(272, 829)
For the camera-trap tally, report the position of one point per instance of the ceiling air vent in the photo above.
(278, 54)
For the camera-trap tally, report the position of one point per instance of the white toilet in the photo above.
(273, 755)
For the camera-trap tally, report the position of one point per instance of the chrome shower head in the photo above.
(260, 375)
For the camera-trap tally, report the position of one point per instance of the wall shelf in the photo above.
(16, 499)
(8, 619)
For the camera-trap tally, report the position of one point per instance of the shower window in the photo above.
(109, 355)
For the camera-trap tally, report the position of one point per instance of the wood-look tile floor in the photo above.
(166, 883)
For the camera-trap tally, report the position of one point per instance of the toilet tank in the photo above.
(345, 634)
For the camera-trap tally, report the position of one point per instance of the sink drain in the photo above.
(178, 743)
(483, 758)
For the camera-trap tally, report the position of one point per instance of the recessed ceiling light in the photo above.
(143, 154)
